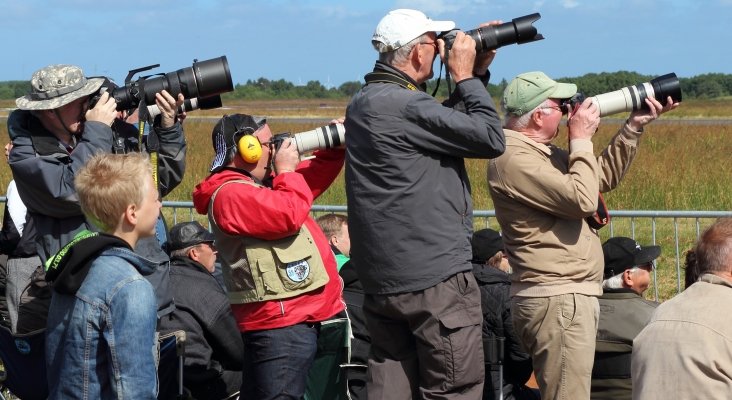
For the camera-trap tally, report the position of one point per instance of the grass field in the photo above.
(681, 166)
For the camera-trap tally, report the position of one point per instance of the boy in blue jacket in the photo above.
(101, 339)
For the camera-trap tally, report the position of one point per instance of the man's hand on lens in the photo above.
(584, 120)
(105, 111)
(287, 157)
(168, 107)
(639, 118)
(484, 60)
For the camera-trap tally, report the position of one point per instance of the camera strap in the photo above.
(386, 77)
(601, 217)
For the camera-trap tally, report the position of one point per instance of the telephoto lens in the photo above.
(631, 98)
(324, 137)
(520, 30)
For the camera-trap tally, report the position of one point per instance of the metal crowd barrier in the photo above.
(674, 231)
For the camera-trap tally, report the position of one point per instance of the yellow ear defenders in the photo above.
(249, 148)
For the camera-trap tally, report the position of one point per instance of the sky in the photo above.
(330, 41)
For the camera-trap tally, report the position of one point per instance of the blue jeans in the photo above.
(277, 361)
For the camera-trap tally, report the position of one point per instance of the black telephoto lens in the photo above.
(666, 85)
(520, 30)
(203, 79)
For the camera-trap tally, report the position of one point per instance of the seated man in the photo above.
(100, 338)
(214, 351)
(491, 268)
(684, 351)
(623, 314)
(335, 228)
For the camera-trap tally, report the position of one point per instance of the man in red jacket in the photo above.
(279, 270)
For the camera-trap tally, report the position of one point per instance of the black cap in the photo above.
(486, 243)
(622, 253)
(187, 234)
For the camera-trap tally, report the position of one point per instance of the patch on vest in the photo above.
(298, 271)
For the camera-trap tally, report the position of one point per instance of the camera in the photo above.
(520, 30)
(325, 137)
(203, 79)
(631, 98)
(196, 103)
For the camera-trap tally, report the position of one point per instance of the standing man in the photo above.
(410, 210)
(685, 351)
(278, 268)
(55, 131)
(542, 195)
(623, 314)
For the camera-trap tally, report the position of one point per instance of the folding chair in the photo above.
(24, 360)
(493, 351)
(170, 366)
(325, 380)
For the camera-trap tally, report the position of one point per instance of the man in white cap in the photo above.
(410, 209)
(55, 132)
(543, 195)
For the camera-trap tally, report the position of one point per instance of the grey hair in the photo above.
(182, 252)
(399, 56)
(616, 281)
(520, 122)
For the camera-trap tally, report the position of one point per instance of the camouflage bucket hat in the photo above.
(57, 85)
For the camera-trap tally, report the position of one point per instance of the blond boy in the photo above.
(101, 340)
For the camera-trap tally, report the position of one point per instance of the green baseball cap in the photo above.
(528, 90)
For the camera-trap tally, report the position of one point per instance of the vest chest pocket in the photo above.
(290, 264)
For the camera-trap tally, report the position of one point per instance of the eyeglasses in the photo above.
(563, 108)
(211, 245)
(648, 266)
(434, 44)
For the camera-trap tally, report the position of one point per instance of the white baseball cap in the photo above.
(401, 26)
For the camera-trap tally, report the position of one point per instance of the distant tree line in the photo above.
(706, 86)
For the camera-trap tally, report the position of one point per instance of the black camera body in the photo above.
(203, 79)
(520, 30)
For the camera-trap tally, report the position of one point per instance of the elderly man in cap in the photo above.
(623, 314)
(214, 352)
(55, 132)
(542, 195)
(410, 209)
(278, 267)
(490, 267)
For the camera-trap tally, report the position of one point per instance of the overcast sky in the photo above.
(330, 41)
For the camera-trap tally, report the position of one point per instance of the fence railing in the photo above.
(674, 231)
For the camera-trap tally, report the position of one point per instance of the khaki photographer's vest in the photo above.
(261, 270)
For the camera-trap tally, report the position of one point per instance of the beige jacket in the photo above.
(685, 352)
(542, 195)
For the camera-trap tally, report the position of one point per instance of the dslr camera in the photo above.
(520, 30)
(201, 80)
(324, 137)
(631, 98)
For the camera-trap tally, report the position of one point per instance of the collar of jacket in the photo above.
(185, 262)
(387, 74)
(68, 269)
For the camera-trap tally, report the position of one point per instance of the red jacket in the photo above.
(273, 214)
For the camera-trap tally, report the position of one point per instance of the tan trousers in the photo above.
(559, 332)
